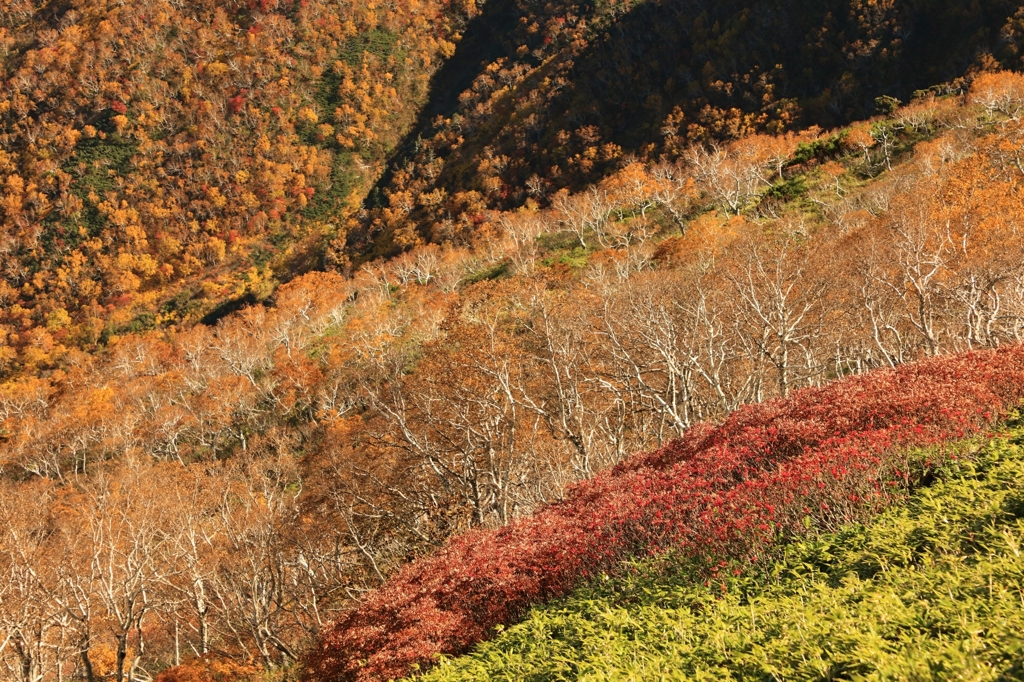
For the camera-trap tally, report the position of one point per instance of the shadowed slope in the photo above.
(573, 88)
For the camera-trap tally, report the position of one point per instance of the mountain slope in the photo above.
(322, 442)
(165, 165)
(730, 493)
(244, 481)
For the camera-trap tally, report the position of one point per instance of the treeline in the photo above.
(217, 494)
(159, 158)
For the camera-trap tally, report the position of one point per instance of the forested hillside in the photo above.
(164, 164)
(578, 89)
(720, 495)
(223, 493)
(295, 293)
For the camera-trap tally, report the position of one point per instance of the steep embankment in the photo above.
(930, 589)
(822, 458)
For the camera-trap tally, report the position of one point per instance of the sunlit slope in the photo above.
(723, 496)
(158, 159)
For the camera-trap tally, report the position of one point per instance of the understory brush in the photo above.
(731, 493)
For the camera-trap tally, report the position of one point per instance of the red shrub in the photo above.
(237, 103)
(825, 455)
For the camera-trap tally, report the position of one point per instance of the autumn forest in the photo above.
(293, 293)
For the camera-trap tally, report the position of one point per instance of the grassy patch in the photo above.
(330, 198)
(933, 589)
(825, 149)
(495, 271)
(788, 190)
(181, 306)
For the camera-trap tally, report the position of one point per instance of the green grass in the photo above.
(932, 589)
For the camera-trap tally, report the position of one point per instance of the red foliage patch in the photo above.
(237, 103)
(825, 456)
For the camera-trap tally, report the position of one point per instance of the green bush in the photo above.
(933, 589)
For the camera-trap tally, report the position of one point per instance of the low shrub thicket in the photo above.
(929, 590)
(824, 457)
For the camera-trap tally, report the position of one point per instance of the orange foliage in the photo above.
(159, 158)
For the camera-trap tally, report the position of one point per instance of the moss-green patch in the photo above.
(824, 149)
(378, 42)
(577, 258)
(557, 241)
(329, 199)
(142, 322)
(789, 189)
(95, 167)
(181, 306)
(94, 159)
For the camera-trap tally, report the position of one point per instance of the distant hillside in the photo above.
(930, 589)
